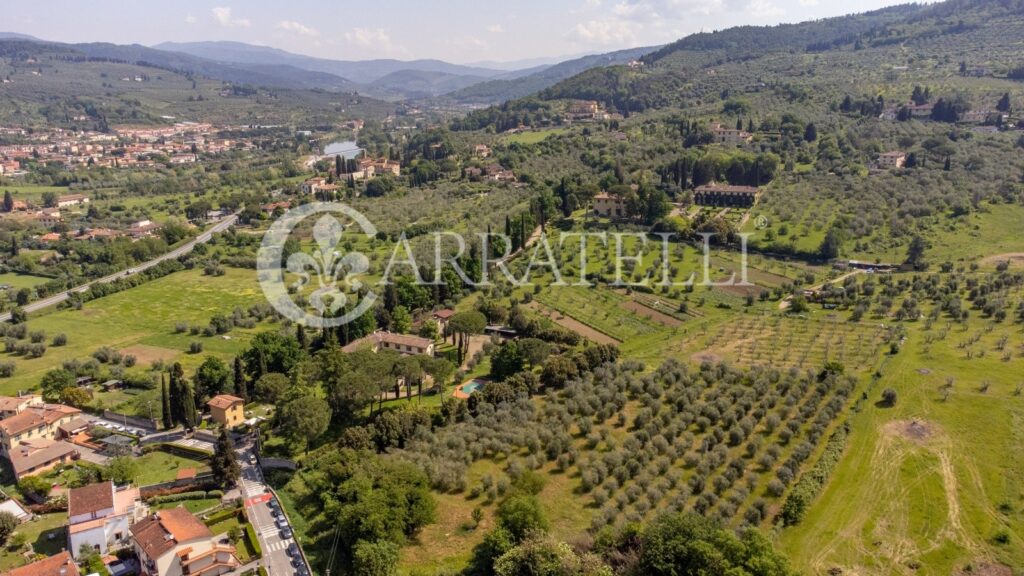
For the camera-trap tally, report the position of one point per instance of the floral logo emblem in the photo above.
(325, 288)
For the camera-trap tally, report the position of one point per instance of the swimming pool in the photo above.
(468, 388)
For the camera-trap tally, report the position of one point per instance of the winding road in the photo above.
(180, 250)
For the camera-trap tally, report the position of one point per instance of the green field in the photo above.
(18, 281)
(141, 322)
(46, 534)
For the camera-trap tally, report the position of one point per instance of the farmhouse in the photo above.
(173, 542)
(481, 151)
(144, 228)
(442, 317)
(894, 159)
(227, 410)
(100, 515)
(59, 565)
(723, 135)
(316, 185)
(726, 195)
(610, 206)
(269, 209)
(72, 200)
(404, 343)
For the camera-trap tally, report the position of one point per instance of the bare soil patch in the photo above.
(571, 323)
(648, 312)
(912, 430)
(1014, 258)
(148, 354)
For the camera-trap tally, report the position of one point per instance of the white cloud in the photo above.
(495, 29)
(763, 9)
(298, 28)
(808, 2)
(190, 19)
(223, 16)
(604, 32)
(368, 37)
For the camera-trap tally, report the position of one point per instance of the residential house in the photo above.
(723, 135)
(920, 110)
(442, 317)
(583, 109)
(34, 422)
(893, 159)
(403, 343)
(38, 455)
(48, 217)
(610, 206)
(72, 200)
(100, 516)
(269, 209)
(312, 185)
(183, 159)
(725, 195)
(498, 173)
(227, 410)
(144, 228)
(173, 542)
(11, 405)
(481, 151)
(61, 564)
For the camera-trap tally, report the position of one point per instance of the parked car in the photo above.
(282, 522)
(292, 549)
(286, 533)
(273, 504)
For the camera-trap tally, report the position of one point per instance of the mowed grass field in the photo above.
(141, 322)
(930, 486)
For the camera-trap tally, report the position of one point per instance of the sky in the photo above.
(461, 31)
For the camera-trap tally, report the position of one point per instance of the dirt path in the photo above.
(572, 324)
(1011, 257)
(784, 304)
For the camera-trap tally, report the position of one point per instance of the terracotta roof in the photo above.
(59, 565)
(75, 425)
(36, 416)
(444, 314)
(90, 499)
(224, 401)
(12, 403)
(38, 452)
(404, 339)
(163, 531)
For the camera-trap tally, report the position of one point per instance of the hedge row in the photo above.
(220, 516)
(811, 483)
(254, 542)
(181, 496)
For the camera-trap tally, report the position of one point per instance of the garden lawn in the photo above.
(158, 466)
(45, 533)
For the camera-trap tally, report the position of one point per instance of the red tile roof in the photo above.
(59, 565)
(90, 499)
(161, 532)
(224, 401)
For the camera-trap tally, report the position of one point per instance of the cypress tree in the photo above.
(224, 463)
(240, 388)
(165, 399)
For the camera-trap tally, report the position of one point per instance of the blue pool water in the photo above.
(472, 386)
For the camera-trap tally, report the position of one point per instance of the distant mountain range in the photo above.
(390, 79)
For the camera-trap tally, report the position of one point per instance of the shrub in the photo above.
(195, 347)
(60, 340)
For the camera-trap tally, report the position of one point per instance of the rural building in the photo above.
(39, 455)
(481, 151)
(100, 515)
(173, 542)
(227, 410)
(58, 565)
(33, 423)
(72, 200)
(318, 185)
(610, 206)
(894, 159)
(144, 228)
(269, 209)
(723, 135)
(725, 195)
(403, 343)
(442, 317)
